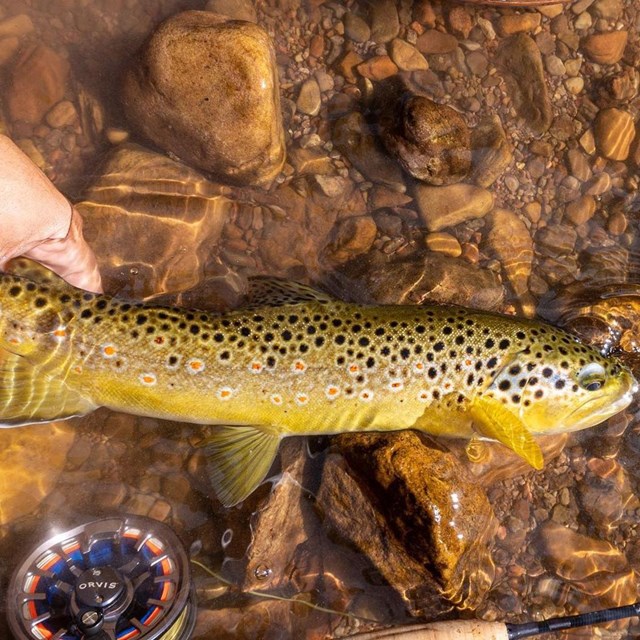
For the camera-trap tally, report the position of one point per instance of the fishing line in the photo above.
(271, 596)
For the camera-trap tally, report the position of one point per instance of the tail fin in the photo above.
(29, 395)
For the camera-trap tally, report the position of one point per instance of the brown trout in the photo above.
(295, 361)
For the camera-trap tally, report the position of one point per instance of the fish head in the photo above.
(561, 386)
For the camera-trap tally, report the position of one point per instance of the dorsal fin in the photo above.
(266, 291)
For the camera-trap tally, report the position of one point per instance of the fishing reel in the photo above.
(123, 578)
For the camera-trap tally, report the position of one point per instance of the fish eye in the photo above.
(592, 376)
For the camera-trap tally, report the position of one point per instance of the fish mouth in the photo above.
(612, 408)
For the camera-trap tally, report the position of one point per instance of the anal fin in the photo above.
(29, 395)
(238, 460)
(492, 420)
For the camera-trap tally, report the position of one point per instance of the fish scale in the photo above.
(295, 361)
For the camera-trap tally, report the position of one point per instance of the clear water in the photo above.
(281, 571)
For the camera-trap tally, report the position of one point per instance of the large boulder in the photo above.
(153, 221)
(206, 89)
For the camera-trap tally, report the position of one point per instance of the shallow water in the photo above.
(341, 213)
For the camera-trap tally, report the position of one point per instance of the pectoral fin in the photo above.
(29, 395)
(492, 420)
(238, 460)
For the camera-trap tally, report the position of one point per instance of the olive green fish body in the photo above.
(297, 362)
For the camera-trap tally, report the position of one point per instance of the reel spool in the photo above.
(123, 578)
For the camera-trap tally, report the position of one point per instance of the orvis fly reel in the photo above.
(124, 578)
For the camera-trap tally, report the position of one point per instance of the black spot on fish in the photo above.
(504, 343)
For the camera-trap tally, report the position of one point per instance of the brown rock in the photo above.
(520, 57)
(352, 136)
(234, 9)
(296, 234)
(376, 278)
(424, 13)
(432, 41)
(377, 68)
(36, 82)
(316, 46)
(510, 241)
(581, 210)
(174, 214)
(310, 161)
(8, 47)
(221, 116)
(574, 556)
(617, 223)
(62, 114)
(356, 28)
(512, 23)
(411, 484)
(442, 207)
(352, 236)
(605, 48)
(348, 64)
(491, 151)
(16, 26)
(406, 56)
(431, 141)
(460, 21)
(381, 196)
(351, 517)
(614, 132)
(31, 459)
(383, 17)
(442, 242)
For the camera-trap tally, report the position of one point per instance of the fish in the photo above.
(294, 360)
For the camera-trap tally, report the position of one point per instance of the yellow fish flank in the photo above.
(295, 361)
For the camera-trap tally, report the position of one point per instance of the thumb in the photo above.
(70, 257)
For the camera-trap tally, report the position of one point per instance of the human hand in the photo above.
(38, 222)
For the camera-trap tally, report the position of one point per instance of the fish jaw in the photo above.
(586, 415)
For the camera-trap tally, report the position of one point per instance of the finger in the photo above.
(70, 257)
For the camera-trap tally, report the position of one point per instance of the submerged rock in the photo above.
(36, 82)
(31, 459)
(353, 137)
(607, 317)
(431, 141)
(614, 132)
(413, 510)
(520, 57)
(206, 90)
(447, 206)
(432, 277)
(491, 151)
(509, 240)
(590, 567)
(153, 220)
